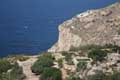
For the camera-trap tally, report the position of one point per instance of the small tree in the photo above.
(51, 74)
(46, 60)
(97, 54)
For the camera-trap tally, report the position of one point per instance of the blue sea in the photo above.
(31, 26)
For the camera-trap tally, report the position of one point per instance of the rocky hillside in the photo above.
(100, 27)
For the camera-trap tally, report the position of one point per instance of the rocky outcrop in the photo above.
(99, 27)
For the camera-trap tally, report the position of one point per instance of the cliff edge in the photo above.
(100, 27)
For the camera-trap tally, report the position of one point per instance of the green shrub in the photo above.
(68, 57)
(22, 58)
(85, 47)
(102, 76)
(118, 31)
(116, 76)
(46, 55)
(15, 73)
(64, 53)
(45, 60)
(97, 54)
(60, 62)
(74, 48)
(4, 65)
(51, 74)
(111, 47)
(91, 46)
(81, 65)
(14, 58)
(98, 76)
(73, 78)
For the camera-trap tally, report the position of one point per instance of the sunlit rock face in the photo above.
(99, 27)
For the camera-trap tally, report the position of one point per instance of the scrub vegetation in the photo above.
(10, 71)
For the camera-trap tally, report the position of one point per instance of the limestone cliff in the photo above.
(99, 27)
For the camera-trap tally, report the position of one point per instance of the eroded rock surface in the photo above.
(99, 27)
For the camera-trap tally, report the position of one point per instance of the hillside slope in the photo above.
(99, 27)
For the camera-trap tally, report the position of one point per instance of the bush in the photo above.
(85, 47)
(14, 58)
(4, 65)
(102, 76)
(46, 55)
(68, 57)
(98, 76)
(74, 48)
(107, 47)
(60, 63)
(15, 73)
(73, 78)
(116, 76)
(45, 60)
(81, 65)
(21, 57)
(64, 53)
(97, 54)
(51, 74)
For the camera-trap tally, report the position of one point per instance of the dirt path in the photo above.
(26, 65)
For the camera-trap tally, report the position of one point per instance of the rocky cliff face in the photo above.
(99, 27)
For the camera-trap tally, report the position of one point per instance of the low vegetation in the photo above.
(116, 75)
(98, 76)
(68, 57)
(43, 67)
(60, 62)
(73, 78)
(10, 71)
(81, 65)
(102, 76)
(14, 58)
(107, 48)
(97, 54)
(86, 47)
(4, 65)
(51, 74)
(44, 61)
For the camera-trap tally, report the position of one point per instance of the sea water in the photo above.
(31, 26)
